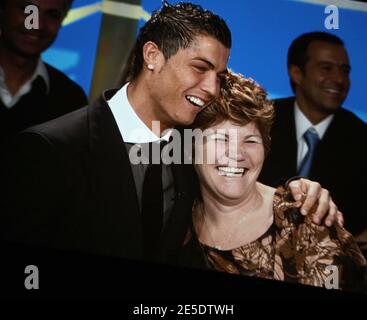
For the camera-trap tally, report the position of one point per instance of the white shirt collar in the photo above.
(303, 124)
(131, 127)
(7, 97)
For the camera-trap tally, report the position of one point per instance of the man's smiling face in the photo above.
(324, 83)
(31, 43)
(188, 81)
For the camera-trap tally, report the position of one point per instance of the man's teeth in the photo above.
(231, 171)
(33, 37)
(196, 101)
(333, 91)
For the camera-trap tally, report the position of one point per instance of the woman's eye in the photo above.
(253, 141)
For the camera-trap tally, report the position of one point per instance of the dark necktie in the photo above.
(312, 139)
(152, 202)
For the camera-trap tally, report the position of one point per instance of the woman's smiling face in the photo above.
(228, 162)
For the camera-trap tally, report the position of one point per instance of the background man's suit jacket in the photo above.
(339, 163)
(69, 185)
(39, 106)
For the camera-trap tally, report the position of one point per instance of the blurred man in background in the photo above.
(313, 135)
(32, 91)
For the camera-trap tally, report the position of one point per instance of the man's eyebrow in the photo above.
(334, 63)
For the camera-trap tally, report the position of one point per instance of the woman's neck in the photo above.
(221, 211)
(229, 225)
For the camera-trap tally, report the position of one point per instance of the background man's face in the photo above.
(188, 81)
(324, 83)
(31, 43)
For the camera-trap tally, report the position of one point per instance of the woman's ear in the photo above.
(153, 57)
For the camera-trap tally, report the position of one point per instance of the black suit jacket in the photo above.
(69, 185)
(39, 105)
(338, 165)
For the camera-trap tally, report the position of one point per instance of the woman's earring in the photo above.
(150, 66)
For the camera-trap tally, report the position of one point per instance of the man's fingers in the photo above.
(340, 218)
(295, 189)
(314, 192)
(315, 195)
(322, 206)
(333, 214)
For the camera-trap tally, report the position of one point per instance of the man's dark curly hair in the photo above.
(174, 27)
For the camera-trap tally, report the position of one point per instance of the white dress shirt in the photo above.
(8, 99)
(132, 128)
(302, 125)
(135, 132)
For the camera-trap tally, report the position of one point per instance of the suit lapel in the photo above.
(328, 147)
(113, 184)
(284, 141)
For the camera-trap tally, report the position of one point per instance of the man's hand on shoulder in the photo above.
(315, 195)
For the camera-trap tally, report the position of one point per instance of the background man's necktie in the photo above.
(312, 139)
(152, 203)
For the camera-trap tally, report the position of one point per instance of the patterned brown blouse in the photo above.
(293, 249)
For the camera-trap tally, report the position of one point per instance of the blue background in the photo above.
(262, 32)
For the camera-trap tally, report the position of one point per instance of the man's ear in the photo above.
(153, 57)
(295, 73)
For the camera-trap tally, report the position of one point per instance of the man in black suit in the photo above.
(31, 91)
(312, 135)
(71, 183)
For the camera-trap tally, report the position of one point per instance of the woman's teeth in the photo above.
(231, 171)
